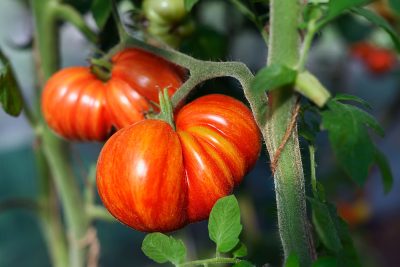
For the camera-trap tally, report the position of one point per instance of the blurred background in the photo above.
(221, 33)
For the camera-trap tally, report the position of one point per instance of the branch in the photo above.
(201, 71)
(69, 14)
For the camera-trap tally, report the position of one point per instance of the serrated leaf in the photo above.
(395, 5)
(292, 261)
(273, 77)
(325, 226)
(244, 264)
(349, 138)
(386, 172)
(348, 255)
(239, 251)
(338, 7)
(161, 248)
(325, 262)
(189, 4)
(346, 97)
(10, 93)
(101, 11)
(381, 22)
(224, 224)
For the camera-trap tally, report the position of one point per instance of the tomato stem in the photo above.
(121, 30)
(167, 111)
(101, 68)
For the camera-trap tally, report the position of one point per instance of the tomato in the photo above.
(79, 106)
(164, 12)
(356, 212)
(377, 60)
(154, 178)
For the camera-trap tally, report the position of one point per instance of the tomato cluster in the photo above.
(154, 178)
(153, 175)
(377, 60)
(80, 106)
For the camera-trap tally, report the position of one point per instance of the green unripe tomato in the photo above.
(164, 11)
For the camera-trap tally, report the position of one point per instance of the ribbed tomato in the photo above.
(78, 105)
(154, 178)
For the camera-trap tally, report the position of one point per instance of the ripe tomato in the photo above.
(78, 105)
(154, 178)
(377, 60)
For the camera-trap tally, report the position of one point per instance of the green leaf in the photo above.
(243, 264)
(395, 5)
(346, 97)
(239, 251)
(224, 224)
(348, 255)
(338, 7)
(381, 22)
(386, 172)
(349, 138)
(101, 10)
(161, 248)
(189, 4)
(292, 261)
(325, 262)
(10, 93)
(273, 77)
(325, 226)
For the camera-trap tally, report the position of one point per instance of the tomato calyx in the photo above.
(101, 68)
(166, 110)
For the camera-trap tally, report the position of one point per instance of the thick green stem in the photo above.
(49, 214)
(289, 177)
(54, 150)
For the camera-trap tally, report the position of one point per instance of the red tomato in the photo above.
(78, 105)
(377, 60)
(154, 178)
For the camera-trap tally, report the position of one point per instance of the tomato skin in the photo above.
(186, 171)
(73, 104)
(143, 185)
(79, 106)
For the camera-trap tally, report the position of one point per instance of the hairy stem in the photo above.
(289, 177)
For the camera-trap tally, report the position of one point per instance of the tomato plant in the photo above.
(78, 105)
(154, 178)
(163, 173)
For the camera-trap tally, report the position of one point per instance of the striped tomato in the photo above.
(79, 106)
(154, 178)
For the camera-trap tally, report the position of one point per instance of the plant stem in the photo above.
(123, 36)
(54, 150)
(67, 13)
(289, 177)
(201, 71)
(49, 214)
(96, 212)
(218, 260)
(311, 150)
